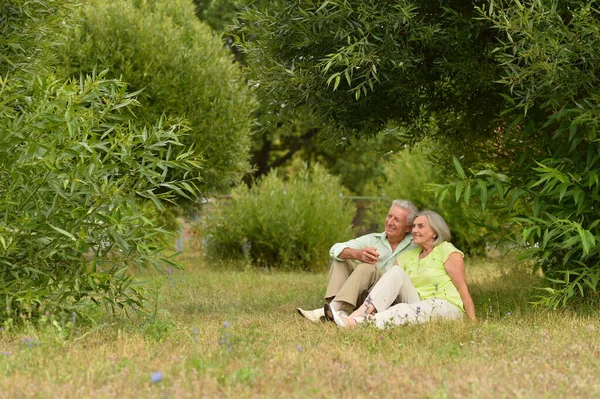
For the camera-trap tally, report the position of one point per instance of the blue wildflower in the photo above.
(156, 377)
(30, 342)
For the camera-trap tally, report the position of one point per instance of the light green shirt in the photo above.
(387, 257)
(429, 275)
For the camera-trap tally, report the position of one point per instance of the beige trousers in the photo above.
(350, 283)
(397, 302)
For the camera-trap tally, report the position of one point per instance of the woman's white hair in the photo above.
(437, 224)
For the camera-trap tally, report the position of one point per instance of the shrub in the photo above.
(72, 168)
(550, 189)
(279, 223)
(183, 70)
(411, 175)
(26, 29)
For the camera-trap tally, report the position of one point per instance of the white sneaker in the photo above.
(343, 321)
(312, 315)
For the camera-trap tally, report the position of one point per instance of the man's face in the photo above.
(396, 225)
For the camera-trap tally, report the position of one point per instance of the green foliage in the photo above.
(551, 221)
(72, 170)
(413, 175)
(219, 13)
(283, 224)
(26, 28)
(360, 164)
(554, 219)
(360, 64)
(511, 88)
(551, 193)
(181, 67)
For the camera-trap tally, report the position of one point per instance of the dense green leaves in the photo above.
(548, 51)
(510, 88)
(73, 169)
(182, 70)
(282, 224)
(75, 165)
(25, 28)
(361, 64)
(555, 221)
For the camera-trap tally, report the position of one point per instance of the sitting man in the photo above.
(359, 263)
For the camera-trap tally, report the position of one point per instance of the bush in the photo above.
(26, 29)
(181, 67)
(72, 168)
(284, 224)
(411, 175)
(550, 189)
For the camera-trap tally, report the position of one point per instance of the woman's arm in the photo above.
(455, 267)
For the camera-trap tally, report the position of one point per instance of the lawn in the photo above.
(227, 333)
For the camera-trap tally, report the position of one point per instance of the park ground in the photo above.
(212, 333)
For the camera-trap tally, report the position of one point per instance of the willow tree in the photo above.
(74, 161)
(510, 88)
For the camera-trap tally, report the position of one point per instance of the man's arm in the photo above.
(361, 249)
(365, 255)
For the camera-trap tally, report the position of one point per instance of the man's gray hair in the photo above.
(410, 207)
(438, 224)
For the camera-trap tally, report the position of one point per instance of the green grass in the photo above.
(268, 350)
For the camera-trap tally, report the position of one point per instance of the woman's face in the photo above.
(422, 233)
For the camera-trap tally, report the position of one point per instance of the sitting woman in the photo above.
(425, 283)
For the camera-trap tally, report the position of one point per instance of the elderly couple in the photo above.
(395, 277)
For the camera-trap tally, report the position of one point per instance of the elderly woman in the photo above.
(426, 283)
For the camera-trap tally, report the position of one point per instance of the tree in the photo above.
(73, 162)
(181, 69)
(360, 64)
(276, 139)
(548, 51)
(509, 88)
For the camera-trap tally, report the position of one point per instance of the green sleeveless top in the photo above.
(429, 276)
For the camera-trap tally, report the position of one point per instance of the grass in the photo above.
(220, 333)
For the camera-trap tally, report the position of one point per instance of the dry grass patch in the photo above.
(236, 334)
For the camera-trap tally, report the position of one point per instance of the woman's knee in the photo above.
(395, 272)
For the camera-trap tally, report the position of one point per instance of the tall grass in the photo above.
(229, 333)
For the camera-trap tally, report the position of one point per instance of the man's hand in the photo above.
(369, 255)
(365, 255)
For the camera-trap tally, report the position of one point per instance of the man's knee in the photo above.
(340, 268)
(366, 269)
(338, 264)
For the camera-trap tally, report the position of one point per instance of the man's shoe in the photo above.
(328, 312)
(312, 315)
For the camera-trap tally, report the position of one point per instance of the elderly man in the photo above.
(359, 263)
